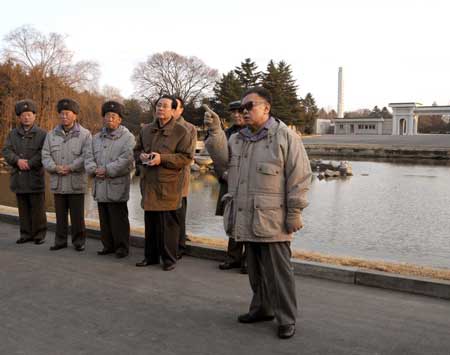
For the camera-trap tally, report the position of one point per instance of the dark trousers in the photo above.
(236, 252)
(114, 225)
(181, 213)
(162, 231)
(272, 280)
(32, 217)
(73, 204)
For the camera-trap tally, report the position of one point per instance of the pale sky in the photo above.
(391, 51)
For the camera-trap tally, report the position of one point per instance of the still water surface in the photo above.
(386, 211)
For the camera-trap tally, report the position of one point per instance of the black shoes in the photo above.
(57, 247)
(229, 265)
(248, 318)
(105, 252)
(144, 262)
(80, 248)
(39, 241)
(286, 331)
(23, 240)
(243, 270)
(121, 253)
(168, 267)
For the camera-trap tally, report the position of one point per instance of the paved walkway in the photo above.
(67, 302)
(419, 141)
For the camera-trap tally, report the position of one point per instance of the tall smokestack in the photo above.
(340, 105)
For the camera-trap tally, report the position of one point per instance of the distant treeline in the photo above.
(40, 67)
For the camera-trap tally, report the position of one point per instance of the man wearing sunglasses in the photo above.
(268, 178)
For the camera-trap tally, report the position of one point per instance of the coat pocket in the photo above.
(54, 179)
(228, 213)
(268, 216)
(267, 176)
(77, 181)
(118, 189)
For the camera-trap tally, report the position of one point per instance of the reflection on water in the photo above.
(386, 211)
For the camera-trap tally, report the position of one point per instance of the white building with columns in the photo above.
(406, 116)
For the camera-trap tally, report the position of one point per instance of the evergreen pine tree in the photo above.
(309, 113)
(248, 73)
(226, 90)
(278, 80)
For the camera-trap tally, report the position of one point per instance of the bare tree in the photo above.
(171, 73)
(48, 54)
(112, 93)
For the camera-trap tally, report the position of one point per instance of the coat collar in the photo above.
(22, 132)
(165, 130)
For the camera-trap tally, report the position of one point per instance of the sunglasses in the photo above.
(248, 106)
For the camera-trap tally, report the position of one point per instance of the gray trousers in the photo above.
(272, 280)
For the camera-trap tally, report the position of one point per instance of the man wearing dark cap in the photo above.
(63, 158)
(22, 151)
(235, 250)
(109, 160)
(187, 175)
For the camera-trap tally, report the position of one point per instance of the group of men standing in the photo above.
(261, 164)
(69, 154)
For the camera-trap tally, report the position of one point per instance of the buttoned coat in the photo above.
(112, 151)
(161, 186)
(268, 180)
(61, 148)
(21, 144)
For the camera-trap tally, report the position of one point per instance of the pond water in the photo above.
(386, 211)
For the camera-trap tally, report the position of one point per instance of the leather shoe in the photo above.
(144, 262)
(248, 318)
(243, 270)
(227, 265)
(286, 331)
(168, 267)
(39, 241)
(121, 253)
(105, 252)
(23, 240)
(57, 247)
(80, 248)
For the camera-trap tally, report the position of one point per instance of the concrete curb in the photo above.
(349, 275)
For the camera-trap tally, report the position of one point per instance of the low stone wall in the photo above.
(376, 152)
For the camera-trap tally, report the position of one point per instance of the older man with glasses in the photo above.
(163, 149)
(268, 178)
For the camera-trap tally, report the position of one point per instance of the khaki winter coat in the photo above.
(113, 151)
(268, 180)
(61, 148)
(161, 186)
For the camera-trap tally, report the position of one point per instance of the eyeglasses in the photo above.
(164, 107)
(248, 106)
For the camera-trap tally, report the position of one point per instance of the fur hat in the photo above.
(24, 106)
(113, 106)
(69, 105)
(234, 105)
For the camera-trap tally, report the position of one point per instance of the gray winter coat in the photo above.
(25, 145)
(268, 180)
(113, 151)
(62, 148)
